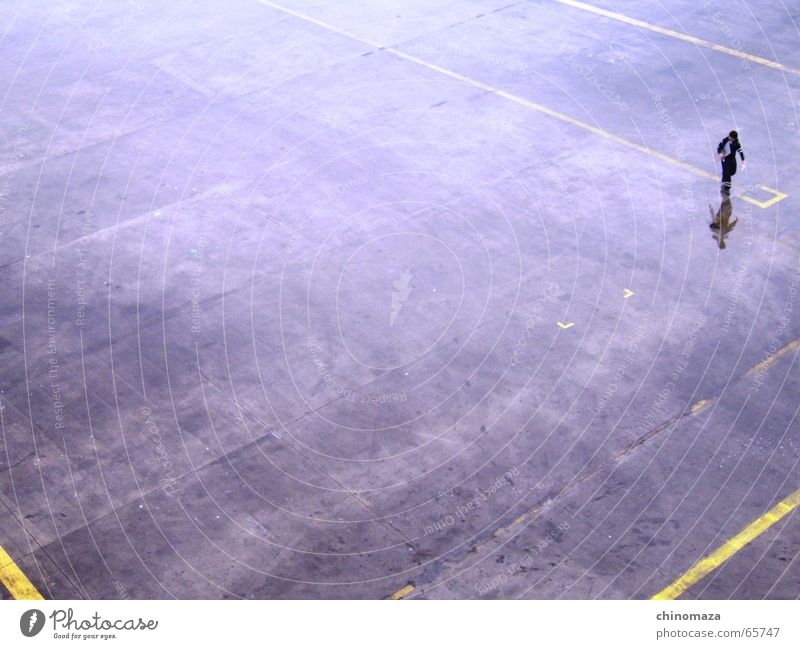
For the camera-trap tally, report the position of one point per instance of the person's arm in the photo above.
(741, 152)
(719, 149)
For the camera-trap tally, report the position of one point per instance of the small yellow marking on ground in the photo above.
(701, 405)
(726, 551)
(525, 102)
(15, 580)
(768, 362)
(565, 325)
(681, 36)
(400, 594)
(628, 293)
(778, 196)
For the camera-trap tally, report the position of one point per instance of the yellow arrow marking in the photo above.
(628, 293)
(565, 325)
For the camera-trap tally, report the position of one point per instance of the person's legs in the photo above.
(727, 172)
(714, 219)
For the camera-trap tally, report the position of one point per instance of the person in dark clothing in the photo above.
(727, 150)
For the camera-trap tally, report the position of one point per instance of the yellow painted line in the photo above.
(519, 520)
(726, 551)
(762, 367)
(768, 362)
(15, 580)
(524, 102)
(701, 405)
(680, 35)
(778, 196)
(628, 293)
(565, 325)
(400, 594)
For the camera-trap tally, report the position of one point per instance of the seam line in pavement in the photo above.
(768, 362)
(694, 40)
(777, 195)
(613, 461)
(729, 548)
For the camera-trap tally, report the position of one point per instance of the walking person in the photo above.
(727, 150)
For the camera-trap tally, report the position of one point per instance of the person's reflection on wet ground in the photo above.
(721, 223)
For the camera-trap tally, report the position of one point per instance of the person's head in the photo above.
(733, 135)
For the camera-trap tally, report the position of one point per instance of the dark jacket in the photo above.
(729, 148)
